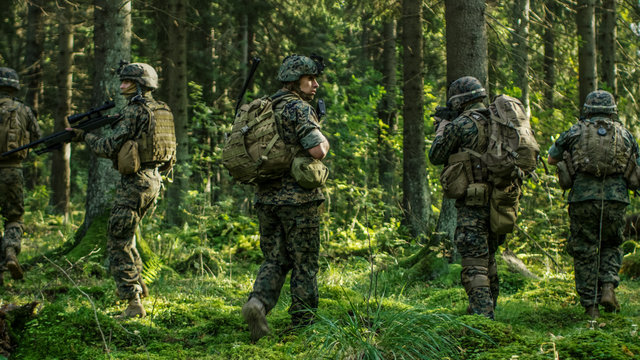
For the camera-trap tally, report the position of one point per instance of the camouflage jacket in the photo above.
(133, 122)
(461, 133)
(300, 126)
(587, 186)
(24, 114)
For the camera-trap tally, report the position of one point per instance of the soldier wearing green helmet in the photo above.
(288, 209)
(18, 126)
(142, 144)
(597, 158)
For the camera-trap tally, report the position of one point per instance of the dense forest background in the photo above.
(389, 281)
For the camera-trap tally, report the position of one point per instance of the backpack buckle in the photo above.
(244, 130)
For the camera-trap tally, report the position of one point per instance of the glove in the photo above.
(440, 130)
(78, 134)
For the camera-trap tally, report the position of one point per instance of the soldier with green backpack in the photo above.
(597, 158)
(18, 126)
(487, 153)
(286, 167)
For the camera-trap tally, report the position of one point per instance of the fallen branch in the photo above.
(560, 270)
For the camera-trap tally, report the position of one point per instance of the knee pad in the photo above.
(475, 273)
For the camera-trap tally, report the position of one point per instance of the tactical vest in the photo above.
(158, 144)
(601, 149)
(13, 130)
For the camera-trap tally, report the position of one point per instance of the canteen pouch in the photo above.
(477, 194)
(503, 210)
(308, 172)
(632, 174)
(456, 176)
(565, 180)
(128, 158)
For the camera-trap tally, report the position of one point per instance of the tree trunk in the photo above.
(466, 37)
(585, 20)
(607, 39)
(549, 64)
(112, 41)
(176, 79)
(521, 50)
(34, 54)
(388, 115)
(60, 164)
(416, 199)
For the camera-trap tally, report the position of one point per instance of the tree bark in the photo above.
(549, 63)
(34, 54)
(112, 41)
(416, 199)
(388, 114)
(60, 164)
(521, 50)
(466, 37)
(585, 20)
(607, 39)
(177, 81)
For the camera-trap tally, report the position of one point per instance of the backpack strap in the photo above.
(481, 121)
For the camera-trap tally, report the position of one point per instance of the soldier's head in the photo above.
(599, 102)
(464, 91)
(299, 73)
(137, 78)
(9, 81)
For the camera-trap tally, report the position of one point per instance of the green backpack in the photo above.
(254, 151)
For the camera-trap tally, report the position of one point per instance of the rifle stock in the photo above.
(93, 120)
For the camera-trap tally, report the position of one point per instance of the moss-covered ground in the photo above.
(194, 311)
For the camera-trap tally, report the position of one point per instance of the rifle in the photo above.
(321, 109)
(87, 121)
(254, 66)
(444, 113)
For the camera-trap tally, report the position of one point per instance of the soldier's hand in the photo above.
(441, 125)
(78, 134)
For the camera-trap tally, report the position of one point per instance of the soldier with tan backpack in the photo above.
(487, 153)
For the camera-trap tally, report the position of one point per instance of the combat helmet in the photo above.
(9, 78)
(140, 73)
(294, 66)
(599, 102)
(463, 90)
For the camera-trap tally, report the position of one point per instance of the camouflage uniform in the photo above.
(474, 239)
(289, 218)
(11, 178)
(596, 211)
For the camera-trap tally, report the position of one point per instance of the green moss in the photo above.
(95, 239)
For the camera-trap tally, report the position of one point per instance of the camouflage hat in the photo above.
(9, 78)
(294, 66)
(463, 90)
(599, 101)
(140, 73)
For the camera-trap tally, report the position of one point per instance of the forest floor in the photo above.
(393, 314)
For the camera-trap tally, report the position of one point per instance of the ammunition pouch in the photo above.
(565, 180)
(503, 210)
(477, 194)
(129, 158)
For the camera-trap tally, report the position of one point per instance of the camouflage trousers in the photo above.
(289, 240)
(135, 194)
(477, 246)
(11, 209)
(596, 252)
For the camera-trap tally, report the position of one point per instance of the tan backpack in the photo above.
(254, 151)
(13, 131)
(601, 149)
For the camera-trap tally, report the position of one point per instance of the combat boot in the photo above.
(145, 290)
(135, 309)
(592, 311)
(12, 264)
(255, 315)
(608, 299)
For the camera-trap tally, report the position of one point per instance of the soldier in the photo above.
(474, 239)
(595, 152)
(18, 126)
(289, 214)
(145, 135)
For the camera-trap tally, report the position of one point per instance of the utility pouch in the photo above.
(503, 211)
(565, 180)
(128, 158)
(477, 194)
(308, 172)
(632, 174)
(456, 176)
